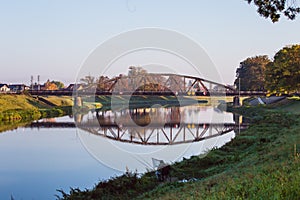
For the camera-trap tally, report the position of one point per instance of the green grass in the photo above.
(60, 100)
(293, 105)
(14, 102)
(19, 109)
(260, 163)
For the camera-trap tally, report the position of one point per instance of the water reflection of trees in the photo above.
(152, 126)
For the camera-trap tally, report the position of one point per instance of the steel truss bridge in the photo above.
(169, 134)
(152, 84)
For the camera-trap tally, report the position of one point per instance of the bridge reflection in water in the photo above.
(133, 137)
(148, 126)
(155, 126)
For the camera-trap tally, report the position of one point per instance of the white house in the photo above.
(4, 88)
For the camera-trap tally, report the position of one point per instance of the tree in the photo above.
(250, 74)
(274, 8)
(50, 86)
(283, 74)
(102, 84)
(59, 84)
(88, 80)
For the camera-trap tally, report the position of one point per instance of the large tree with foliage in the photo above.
(59, 84)
(283, 74)
(274, 8)
(250, 74)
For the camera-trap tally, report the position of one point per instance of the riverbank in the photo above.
(260, 163)
(16, 110)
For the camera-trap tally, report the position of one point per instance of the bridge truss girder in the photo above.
(174, 82)
(167, 135)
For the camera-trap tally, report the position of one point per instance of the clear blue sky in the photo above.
(52, 38)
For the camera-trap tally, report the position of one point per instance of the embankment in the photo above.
(259, 163)
(16, 110)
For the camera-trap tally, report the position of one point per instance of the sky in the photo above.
(53, 38)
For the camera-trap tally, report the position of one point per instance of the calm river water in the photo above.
(36, 161)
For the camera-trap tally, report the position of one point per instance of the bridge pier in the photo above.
(78, 118)
(77, 101)
(236, 101)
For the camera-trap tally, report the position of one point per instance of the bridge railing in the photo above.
(169, 93)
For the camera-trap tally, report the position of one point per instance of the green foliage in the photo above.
(56, 112)
(58, 84)
(283, 74)
(17, 115)
(20, 109)
(250, 74)
(273, 8)
(127, 186)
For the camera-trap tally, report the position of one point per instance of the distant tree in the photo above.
(88, 80)
(274, 8)
(250, 74)
(136, 76)
(283, 74)
(50, 86)
(59, 84)
(136, 71)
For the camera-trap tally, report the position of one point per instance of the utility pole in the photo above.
(31, 81)
(38, 79)
(239, 87)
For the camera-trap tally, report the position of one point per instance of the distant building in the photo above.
(4, 88)
(37, 87)
(18, 87)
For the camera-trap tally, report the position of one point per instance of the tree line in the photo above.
(279, 75)
(137, 79)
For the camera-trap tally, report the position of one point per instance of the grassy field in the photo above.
(292, 105)
(60, 100)
(14, 102)
(24, 102)
(262, 162)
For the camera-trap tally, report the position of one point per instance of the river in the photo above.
(53, 154)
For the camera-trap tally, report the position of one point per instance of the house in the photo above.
(4, 88)
(18, 87)
(36, 86)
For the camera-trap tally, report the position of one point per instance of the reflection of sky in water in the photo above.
(120, 155)
(36, 162)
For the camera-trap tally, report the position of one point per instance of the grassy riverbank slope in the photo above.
(16, 110)
(262, 162)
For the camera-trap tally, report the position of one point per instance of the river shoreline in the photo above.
(19, 110)
(261, 162)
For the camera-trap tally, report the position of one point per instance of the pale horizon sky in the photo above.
(53, 38)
